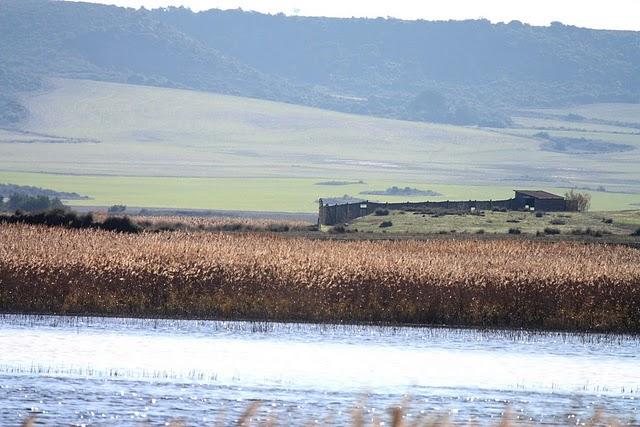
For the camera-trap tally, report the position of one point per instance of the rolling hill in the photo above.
(470, 72)
(241, 110)
(149, 146)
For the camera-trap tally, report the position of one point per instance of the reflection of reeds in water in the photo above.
(266, 277)
(395, 418)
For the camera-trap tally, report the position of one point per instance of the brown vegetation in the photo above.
(582, 201)
(173, 223)
(264, 276)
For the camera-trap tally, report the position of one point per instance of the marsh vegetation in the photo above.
(262, 276)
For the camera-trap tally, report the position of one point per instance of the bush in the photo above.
(539, 214)
(514, 231)
(278, 228)
(607, 220)
(589, 232)
(481, 231)
(385, 224)
(557, 221)
(381, 212)
(550, 230)
(121, 224)
(582, 201)
(27, 203)
(636, 233)
(117, 209)
(51, 218)
(338, 229)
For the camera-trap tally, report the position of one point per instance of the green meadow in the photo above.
(157, 147)
(261, 194)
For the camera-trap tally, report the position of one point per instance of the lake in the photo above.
(98, 371)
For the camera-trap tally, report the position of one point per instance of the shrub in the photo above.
(589, 232)
(278, 228)
(481, 231)
(385, 224)
(27, 203)
(51, 218)
(121, 224)
(551, 230)
(539, 214)
(514, 231)
(557, 221)
(607, 220)
(338, 229)
(582, 201)
(381, 212)
(117, 209)
(636, 233)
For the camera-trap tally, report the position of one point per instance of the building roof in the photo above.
(539, 194)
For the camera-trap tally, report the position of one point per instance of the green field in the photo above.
(259, 194)
(616, 223)
(155, 147)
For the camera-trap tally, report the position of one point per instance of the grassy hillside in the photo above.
(459, 72)
(148, 146)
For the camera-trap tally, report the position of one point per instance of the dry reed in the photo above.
(528, 284)
(186, 223)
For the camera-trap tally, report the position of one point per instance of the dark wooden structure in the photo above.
(539, 201)
(332, 214)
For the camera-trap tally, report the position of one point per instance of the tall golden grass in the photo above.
(262, 276)
(219, 223)
(212, 223)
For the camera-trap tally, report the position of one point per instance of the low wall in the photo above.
(339, 214)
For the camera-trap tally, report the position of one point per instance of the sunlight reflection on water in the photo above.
(198, 364)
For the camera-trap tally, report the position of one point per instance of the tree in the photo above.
(581, 200)
(27, 203)
(431, 106)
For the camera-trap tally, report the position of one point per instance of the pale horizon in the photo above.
(614, 14)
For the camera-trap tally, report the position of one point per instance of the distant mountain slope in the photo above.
(494, 65)
(470, 72)
(82, 40)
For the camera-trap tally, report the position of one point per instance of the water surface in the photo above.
(95, 371)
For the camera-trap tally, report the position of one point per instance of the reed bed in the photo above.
(520, 284)
(184, 223)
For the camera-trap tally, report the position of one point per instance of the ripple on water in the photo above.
(95, 369)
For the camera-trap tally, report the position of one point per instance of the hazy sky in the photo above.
(613, 14)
